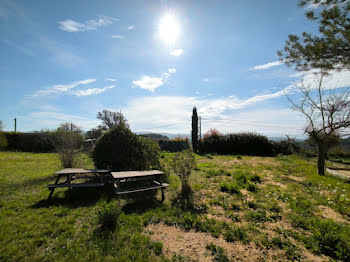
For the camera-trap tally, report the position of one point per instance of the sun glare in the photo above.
(168, 29)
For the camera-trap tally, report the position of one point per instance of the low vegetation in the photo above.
(282, 210)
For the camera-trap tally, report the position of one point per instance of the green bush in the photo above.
(255, 179)
(182, 164)
(174, 145)
(218, 253)
(119, 149)
(231, 188)
(107, 217)
(236, 234)
(252, 187)
(3, 141)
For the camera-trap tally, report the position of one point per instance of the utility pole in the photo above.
(15, 125)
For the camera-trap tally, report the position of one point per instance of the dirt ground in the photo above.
(192, 244)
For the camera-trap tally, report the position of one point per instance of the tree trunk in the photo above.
(321, 152)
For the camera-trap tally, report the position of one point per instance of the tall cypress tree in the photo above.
(195, 130)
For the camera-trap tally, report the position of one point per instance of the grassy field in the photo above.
(244, 209)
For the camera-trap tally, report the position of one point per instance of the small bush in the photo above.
(182, 164)
(252, 205)
(107, 217)
(67, 144)
(217, 172)
(255, 179)
(236, 234)
(218, 253)
(157, 247)
(231, 188)
(252, 187)
(235, 207)
(257, 216)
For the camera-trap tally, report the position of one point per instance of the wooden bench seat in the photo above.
(120, 191)
(76, 185)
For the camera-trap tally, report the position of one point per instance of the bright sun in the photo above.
(168, 29)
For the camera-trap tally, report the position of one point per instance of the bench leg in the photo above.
(53, 189)
(163, 197)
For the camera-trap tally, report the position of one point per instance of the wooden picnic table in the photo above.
(72, 174)
(152, 179)
(119, 179)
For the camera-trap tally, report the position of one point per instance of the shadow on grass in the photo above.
(77, 197)
(139, 203)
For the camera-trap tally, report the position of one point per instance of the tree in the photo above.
(70, 127)
(195, 130)
(94, 133)
(327, 112)
(67, 144)
(331, 48)
(121, 150)
(111, 119)
(1, 126)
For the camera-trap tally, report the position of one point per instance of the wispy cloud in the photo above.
(21, 48)
(205, 79)
(131, 27)
(176, 52)
(152, 83)
(118, 36)
(267, 66)
(70, 25)
(71, 89)
(92, 91)
(168, 113)
(110, 79)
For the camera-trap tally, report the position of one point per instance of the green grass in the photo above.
(237, 199)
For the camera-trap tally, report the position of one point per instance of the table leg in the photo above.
(53, 189)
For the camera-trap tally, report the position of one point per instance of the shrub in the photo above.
(157, 247)
(107, 217)
(174, 145)
(236, 234)
(3, 141)
(255, 179)
(67, 144)
(218, 253)
(182, 164)
(119, 149)
(231, 188)
(242, 143)
(252, 187)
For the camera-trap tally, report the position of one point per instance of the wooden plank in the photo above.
(68, 171)
(135, 190)
(76, 185)
(131, 174)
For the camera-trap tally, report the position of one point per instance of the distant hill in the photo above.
(154, 136)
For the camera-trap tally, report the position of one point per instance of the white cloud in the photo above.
(267, 66)
(148, 83)
(70, 25)
(91, 91)
(71, 89)
(205, 79)
(176, 52)
(63, 88)
(169, 113)
(110, 79)
(118, 36)
(172, 70)
(152, 83)
(131, 27)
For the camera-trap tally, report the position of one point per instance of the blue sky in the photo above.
(66, 60)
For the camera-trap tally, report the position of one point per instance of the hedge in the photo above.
(28, 142)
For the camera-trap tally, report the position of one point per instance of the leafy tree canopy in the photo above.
(111, 119)
(330, 49)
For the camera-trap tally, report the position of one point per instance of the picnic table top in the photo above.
(68, 171)
(131, 174)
